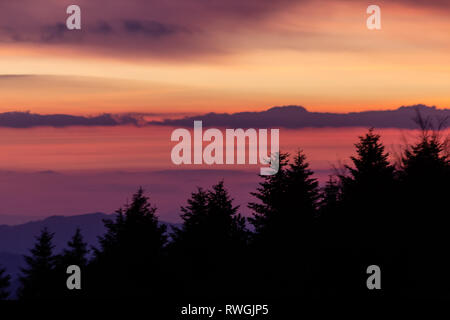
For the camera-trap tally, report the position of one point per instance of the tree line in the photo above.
(301, 240)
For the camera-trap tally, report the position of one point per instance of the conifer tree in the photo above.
(210, 243)
(130, 256)
(369, 222)
(270, 196)
(330, 211)
(425, 176)
(37, 279)
(75, 254)
(5, 280)
(77, 251)
(330, 196)
(368, 194)
(287, 202)
(285, 222)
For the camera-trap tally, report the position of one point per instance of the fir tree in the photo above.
(285, 222)
(75, 254)
(425, 176)
(131, 252)
(77, 251)
(37, 279)
(210, 243)
(369, 221)
(368, 194)
(5, 280)
(270, 195)
(287, 203)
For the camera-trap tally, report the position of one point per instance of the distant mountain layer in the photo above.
(299, 117)
(15, 241)
(20, 238)
(28, 120)
(276, 117)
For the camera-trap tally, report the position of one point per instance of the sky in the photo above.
(225, 56)
(53, 171)
(183, 57)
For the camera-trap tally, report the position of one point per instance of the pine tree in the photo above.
(330, 196)
(285, 222)
(194, 217)
(271, 200)
(369, 222)
(371, 166)
(210, 243)
(287, 203)
(330, 211)
(5, 280)
(425, 176)
(368, 194)
(75, 254)
(37, 279)
(131, 252)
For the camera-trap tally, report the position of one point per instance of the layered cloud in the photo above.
(284, 117)
(150, 27)
(183, 28)
(28, 120)
(222, 56)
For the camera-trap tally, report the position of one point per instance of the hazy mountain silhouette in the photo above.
(282, 117)
(299, 117)
(19, 238)
(28, 120)
(16, 240)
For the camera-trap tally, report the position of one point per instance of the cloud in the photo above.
(150, 28)
(435, 4)
(171, 27)
(178, 28)
(277, 117)
(29, 120)
(102, 27)
(15, 76)
(299, 117)
(58, 33)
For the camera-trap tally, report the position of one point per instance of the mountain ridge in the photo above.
(17, 240)
(299, 117)
(289, 116)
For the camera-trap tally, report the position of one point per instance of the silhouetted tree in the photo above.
(37, 279)
(210, 244)
(129, 261)
(5, 280)
(75, 254)
(330, 200)
(370, 221)
(425, 176)
(285, 222)
(331, 194)
(327, 235)
(77, 251)
(367, 192)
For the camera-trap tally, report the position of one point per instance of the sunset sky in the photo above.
(224, 56)
(182, 57)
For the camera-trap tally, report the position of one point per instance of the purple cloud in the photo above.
(137, 27)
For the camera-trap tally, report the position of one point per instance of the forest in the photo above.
(302, 240)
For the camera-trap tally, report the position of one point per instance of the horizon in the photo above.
(99, 98)
(78, 170)
(223, 158)
(143, 56)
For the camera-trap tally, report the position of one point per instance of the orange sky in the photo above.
(320, 56)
